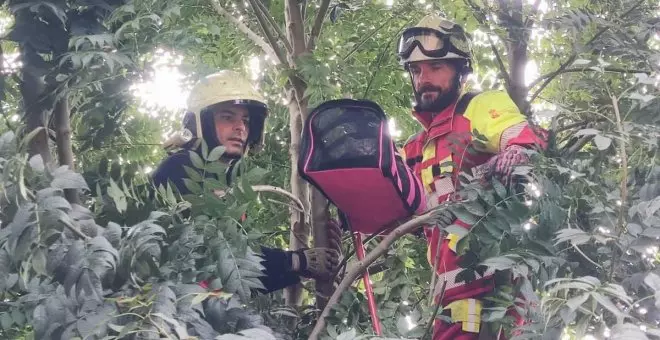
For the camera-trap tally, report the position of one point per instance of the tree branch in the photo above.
(61, 115)
(479, 15)
(359, 267)
(575, 147)
(529, 21)
(605, 69)
(579, 124)
(318, 24)
(75, 230)
(548, 78)
(256, 39)
(277, 190)
(624, 177)
(500, 62)
(272, 22)
(261, 18)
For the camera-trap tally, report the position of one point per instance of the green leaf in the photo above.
(39, 261)
(499, 263)
(118, 196)
(607, 303)
(602, 142)
(651, 232)
(216, 153)
(457, 230)
(217, 168)
(6, 321)
(55, 202)
(64, 178)
(493, 314)
(575, 302)
(194, 187)
(256, 174)
(196, 160)
(192, 174)
(18, 317)
(462, 214)
(199, 298)
(500, 189)
(574, 236)
(475, 208)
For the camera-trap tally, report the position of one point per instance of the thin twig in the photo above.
(500, 62)
(605, 69)
(75, 230)
(359, 267)
(578, 124)
(585, 256)
(435, 312)
(273, 189)
(261, 18)
(376, 67)
(624, 175)
(292, 206)
(529, 21)
(272, 22)
(318, 24)
(257, 39)
(367, 37)
(481, 19)
(549, 77)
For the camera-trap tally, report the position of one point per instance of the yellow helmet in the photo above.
(223, 87)
(434, 38)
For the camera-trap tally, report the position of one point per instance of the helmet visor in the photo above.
(431, 43)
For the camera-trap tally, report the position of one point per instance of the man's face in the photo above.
(231, 128)
(435, 84)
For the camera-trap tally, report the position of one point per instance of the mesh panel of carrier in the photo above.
(345, 138)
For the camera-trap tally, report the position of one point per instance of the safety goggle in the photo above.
(431, 42)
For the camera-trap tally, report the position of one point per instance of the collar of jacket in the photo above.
(431, 120)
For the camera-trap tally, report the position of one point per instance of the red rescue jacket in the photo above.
(439, 152)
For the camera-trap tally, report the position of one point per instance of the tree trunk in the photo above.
(62, 119)
(32, 89)
(297, 111)
(299, 237)
(518, 36)
(320, 216)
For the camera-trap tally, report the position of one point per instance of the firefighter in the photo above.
(225, 109)
(437, 55)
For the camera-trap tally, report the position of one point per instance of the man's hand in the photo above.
(503, 164)
(445, 218)
(316, 263)
(320, 263)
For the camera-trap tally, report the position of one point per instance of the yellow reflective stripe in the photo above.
(427, 173)
(491, 113)
(453, 241)
(467, 312)
(474, 317)
(446, 169)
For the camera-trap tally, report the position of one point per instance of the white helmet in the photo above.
(223, 87)
(434, 38)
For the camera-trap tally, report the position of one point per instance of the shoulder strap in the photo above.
(463, 103)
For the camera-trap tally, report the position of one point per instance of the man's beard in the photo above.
(442, 101)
